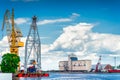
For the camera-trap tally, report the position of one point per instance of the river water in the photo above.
(78, 76)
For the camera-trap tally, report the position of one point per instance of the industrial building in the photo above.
(73, 64)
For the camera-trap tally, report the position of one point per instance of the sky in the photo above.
(87, 28)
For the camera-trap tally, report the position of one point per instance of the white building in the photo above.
(73, 64)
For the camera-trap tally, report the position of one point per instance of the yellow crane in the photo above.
(13, 33)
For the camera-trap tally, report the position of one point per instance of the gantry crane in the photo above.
(13, 33)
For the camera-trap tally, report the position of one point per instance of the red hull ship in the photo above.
(114, 71)
(32, 75)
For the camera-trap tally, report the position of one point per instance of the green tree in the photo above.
(9, 63)
(118, 66)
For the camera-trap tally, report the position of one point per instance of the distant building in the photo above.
(73, 64)
(107, 67)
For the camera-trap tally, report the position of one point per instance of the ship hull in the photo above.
(114, 71)
(32, 75)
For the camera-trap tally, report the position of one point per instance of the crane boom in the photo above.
(6, 22)
(13, 34)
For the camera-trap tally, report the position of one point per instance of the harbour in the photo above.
(78, 76)
(60, 40)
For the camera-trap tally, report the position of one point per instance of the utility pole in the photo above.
(115, 62)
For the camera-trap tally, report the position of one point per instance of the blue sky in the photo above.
(103, 12)
(60, 14)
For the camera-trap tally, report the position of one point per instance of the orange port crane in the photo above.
(13, 32)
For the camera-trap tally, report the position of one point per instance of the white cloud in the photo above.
(74, 15)
(4, 46)
(80, 40)
(72, 38)
(54, 21)
(43, 22)
(46, 21)
(21, 20)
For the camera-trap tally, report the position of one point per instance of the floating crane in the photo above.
(33, 48)
(98, 65)
(13, 33)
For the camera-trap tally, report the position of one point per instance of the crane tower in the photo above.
(33, 46)
(13, 33)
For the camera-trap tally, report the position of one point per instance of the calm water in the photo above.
(77, 76)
